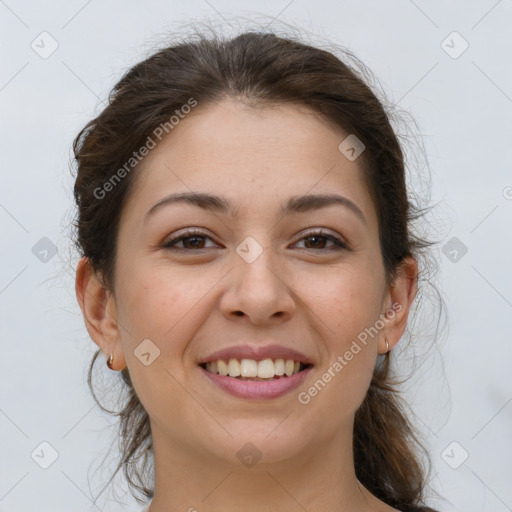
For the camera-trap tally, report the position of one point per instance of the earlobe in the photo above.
(398, 303)
(98, 310)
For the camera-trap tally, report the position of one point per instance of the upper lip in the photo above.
(257, 353)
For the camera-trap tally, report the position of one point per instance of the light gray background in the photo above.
(463, 106)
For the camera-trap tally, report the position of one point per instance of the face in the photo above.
(195, 277)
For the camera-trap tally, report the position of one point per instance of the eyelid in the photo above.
(318, 231)
(336, 239)
(178, 237)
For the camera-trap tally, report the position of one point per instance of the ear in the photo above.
(99, 312)
(397, 303)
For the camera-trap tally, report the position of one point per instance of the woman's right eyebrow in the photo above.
(295, 204)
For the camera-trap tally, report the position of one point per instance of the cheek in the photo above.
(166, 308)
(164, 305)
(344, 305)
(346, 300)
(347, 368)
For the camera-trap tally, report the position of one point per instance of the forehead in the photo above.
(253, 156)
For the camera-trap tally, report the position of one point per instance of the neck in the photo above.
(317, 479)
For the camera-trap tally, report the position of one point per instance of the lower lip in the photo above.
(257, 390)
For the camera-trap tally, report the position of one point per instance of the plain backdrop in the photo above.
(446, 63)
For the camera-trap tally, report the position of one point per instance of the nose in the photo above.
(259, 291)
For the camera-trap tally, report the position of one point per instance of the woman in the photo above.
(247, 265)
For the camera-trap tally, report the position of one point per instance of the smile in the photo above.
(251, 379)
(246, 369)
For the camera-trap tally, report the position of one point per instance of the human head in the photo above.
(261, 73)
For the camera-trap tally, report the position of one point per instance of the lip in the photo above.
(257, 390)
(256, 353)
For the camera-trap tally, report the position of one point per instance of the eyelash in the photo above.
(171, 244)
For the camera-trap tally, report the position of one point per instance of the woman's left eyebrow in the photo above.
(295, 204)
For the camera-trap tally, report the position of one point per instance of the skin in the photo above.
(190, 304)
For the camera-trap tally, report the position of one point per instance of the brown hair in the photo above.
(257, 68)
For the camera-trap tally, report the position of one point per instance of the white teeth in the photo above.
(279, 366)
(266, 369)
(223, 368)
(234, 369)
(249, 368)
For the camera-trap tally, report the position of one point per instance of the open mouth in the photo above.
(252, 370)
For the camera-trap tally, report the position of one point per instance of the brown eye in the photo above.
(315, 242)
(319, 240)
(193, 242)
(190, 241)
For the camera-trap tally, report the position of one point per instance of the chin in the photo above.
(260, 448)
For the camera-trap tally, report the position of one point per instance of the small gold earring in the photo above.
(387, 346)
(110, 361)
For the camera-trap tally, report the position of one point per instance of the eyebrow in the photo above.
(295, 204)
